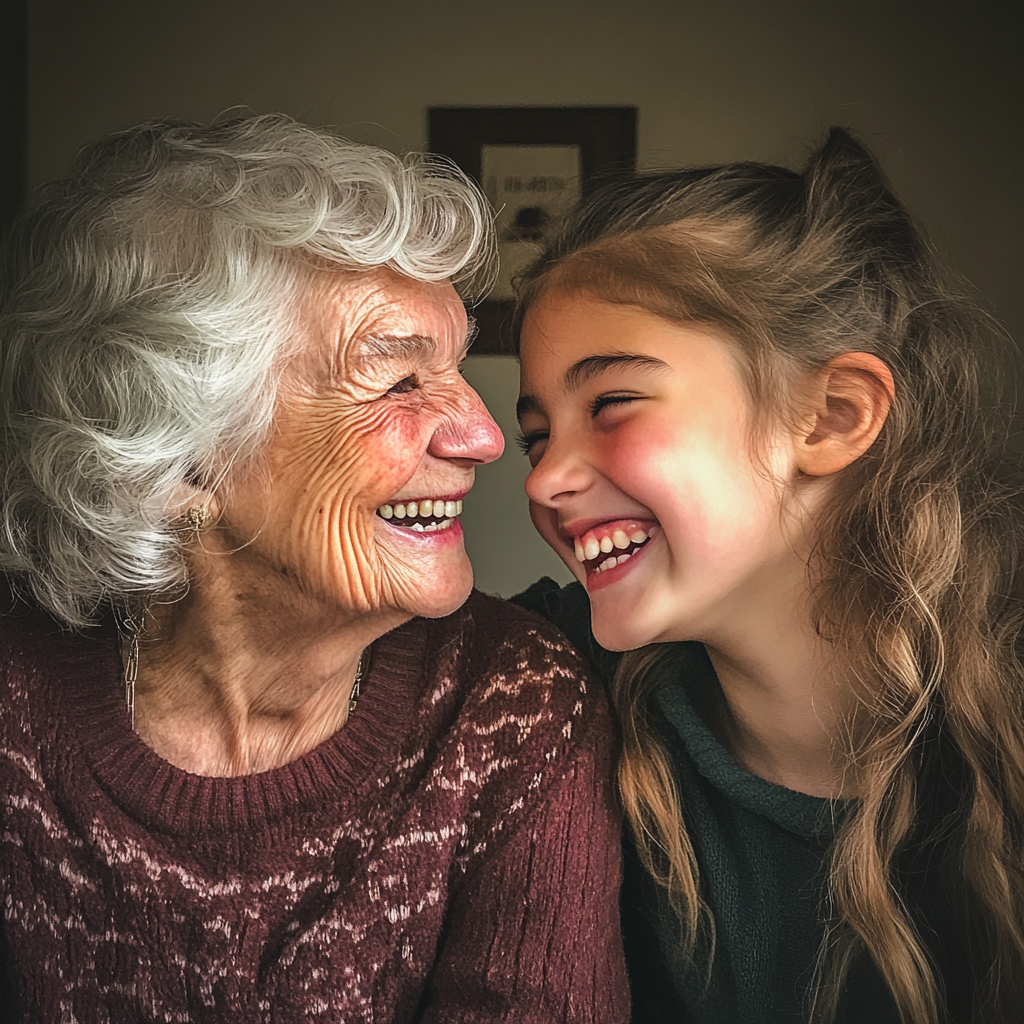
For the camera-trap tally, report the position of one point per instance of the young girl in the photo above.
(767, 438)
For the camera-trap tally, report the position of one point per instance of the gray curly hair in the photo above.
(148, 301)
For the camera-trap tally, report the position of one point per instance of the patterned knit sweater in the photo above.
(451, 854)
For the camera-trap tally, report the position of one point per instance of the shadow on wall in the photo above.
(506, 552)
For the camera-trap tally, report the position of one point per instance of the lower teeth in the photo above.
(444, 524)
(613, 560)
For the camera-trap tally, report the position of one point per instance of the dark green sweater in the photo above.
(761, 852)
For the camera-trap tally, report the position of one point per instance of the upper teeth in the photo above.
(427, 509)
(590, 545)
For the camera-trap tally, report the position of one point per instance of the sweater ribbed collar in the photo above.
(87, 673)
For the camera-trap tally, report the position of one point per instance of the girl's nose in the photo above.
(557, 477)
(468, 433)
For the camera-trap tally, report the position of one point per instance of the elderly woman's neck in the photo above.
(235, 681)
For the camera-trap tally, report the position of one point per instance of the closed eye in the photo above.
(604, 401)
(525, 442)
(405, 385)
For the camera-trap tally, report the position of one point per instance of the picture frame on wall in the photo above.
(533, 164)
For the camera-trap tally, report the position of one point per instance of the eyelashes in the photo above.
(604, 401)
(524, 442)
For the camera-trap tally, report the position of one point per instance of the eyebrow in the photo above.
(393, 346)
(593, 366)
(587, 369)
(397, 346)
(527, 403)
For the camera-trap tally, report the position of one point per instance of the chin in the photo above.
(439, 608)
(617, 636)
(624, 625)
(444, 597)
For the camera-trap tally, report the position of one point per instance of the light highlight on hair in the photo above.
(148, 306)
(916, 575)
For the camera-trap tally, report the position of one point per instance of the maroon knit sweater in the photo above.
(451, 854)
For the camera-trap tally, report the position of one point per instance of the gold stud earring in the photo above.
(197, 517)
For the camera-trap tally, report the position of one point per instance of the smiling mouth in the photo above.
(425, 515)
(610, 544)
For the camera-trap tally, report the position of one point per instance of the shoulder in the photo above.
(495, 617)
(34, 644)
(27, 648)
(524, 685)
(524, 726)
(568, 608)
(25, 636)
(40, 658)
(520, 646)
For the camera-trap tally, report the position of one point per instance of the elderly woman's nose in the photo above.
(468, 432)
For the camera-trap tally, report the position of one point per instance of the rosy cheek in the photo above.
(631, 456)
(390, 447)
(337, 468)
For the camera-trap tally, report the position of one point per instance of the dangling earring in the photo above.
(198, 516)
(131, 631)
(353, 697)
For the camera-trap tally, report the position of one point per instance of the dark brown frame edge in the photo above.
(13, 108)
(607, 140)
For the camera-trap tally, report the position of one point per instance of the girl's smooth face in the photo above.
(374, 419)
(639, 434)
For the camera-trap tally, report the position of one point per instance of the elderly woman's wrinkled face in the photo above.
(376, 440)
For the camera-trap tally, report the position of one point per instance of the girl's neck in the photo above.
(783, 729)
(783, 711)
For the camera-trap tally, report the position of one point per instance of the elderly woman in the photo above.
(278, 768)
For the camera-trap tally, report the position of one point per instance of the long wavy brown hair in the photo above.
(916, 572)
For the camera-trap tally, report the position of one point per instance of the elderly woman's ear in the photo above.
(321, 774)
(194, 505)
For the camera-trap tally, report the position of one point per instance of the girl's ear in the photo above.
(850, 397)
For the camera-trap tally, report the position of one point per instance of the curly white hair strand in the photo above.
(148, 299)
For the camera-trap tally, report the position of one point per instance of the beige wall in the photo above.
(507, 554)
(934, 87)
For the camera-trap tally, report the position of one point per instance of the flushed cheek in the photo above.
(375, 565)
(642, 467)
(701, 492)
(391, 446)
(721, 531)
(428, 574)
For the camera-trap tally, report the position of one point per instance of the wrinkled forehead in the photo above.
(355, 319)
